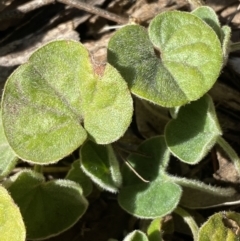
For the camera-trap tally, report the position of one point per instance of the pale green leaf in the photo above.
(47, 101)
(11, 223)
(48, 208)
(208, 15)
(154, 230)
(101, 165)
(108, 112)
(222, 226)
(193, 133)
(8, 158)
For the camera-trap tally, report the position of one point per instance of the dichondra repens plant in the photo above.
(55, 104)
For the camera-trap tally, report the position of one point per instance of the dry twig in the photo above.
(35, 4)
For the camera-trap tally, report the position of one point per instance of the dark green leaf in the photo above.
(48, 208)
(160, 195)
(194, 132)
(101, 165)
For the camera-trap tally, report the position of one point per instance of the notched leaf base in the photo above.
(46, 101)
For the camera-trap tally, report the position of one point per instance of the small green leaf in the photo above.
(47, 101)
(48, 208)
(101, 165)
(160, 195)
(8, 158)
(136, 235)
(209, 16)
(196, 128)
(222, 226)
(154, 230)
(11, 222)
(77, 175)
(189, 63)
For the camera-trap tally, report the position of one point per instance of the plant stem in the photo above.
(234, 47)
(198, 185)
(189, 220)
(35, 4)
(38, 168)
(55, 169)
(230, 152)
(23, 9)
(95, 10)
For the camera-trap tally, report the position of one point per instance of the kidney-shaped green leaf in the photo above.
(47, 101)
(11, 222)
(101, 165)
(48, 208)
(194, 132)
(160, 195)
(189, 62)
(222, 226)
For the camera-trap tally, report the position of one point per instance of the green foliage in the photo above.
(154, 230)
(101, 165)
(56, 103)
(77, 175)
(136, 236)
(202, 195)
(200, 121)
(208, 15)
(7, 156)
(54, 205)
(182, 73)
(224, 33)
(136, 195)
(47, 100)
(222, 226)
(11, 222)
